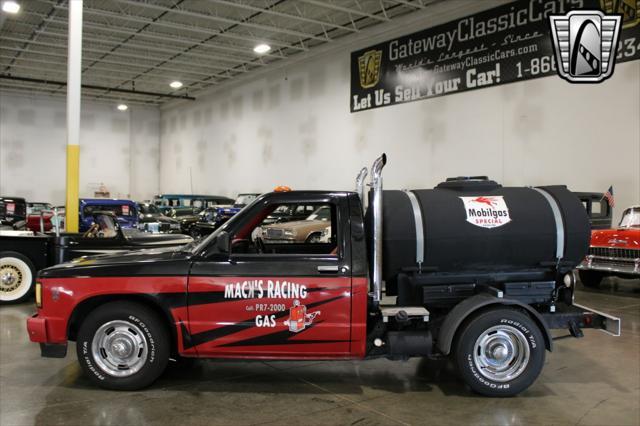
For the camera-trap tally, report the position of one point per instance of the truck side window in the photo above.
(294, 229)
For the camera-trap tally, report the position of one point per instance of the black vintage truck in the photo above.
(469, 269)
(22, 255)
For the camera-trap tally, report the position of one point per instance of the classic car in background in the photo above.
(185, 216)
(191, 200)
(614, 252)
(213, 217)
(13, 212)
(124, 210)
(308, 230)
(37, 207)
(151, 219)
(21, 256)
(598, 209)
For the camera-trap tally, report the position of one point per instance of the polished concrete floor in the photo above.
(590, 381)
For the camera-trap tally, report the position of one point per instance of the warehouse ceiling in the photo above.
(135, 46)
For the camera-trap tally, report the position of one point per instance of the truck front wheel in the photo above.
(500, 352)
(123, 346)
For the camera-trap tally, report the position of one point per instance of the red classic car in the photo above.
(614, 252)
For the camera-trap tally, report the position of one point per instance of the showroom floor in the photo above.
(592, 381)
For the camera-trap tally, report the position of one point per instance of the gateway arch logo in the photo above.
(585, 43)
(369, 68)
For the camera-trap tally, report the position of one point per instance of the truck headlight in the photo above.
(38, 295)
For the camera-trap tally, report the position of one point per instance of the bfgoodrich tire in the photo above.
(17, 277)
(123, 346)
(591, 278)
(500, 352)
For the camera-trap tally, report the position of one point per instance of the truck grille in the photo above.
(274, 233)
(619, 253)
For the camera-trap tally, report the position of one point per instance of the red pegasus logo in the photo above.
(485, 200)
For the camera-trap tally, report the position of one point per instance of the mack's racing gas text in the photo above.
(271, 289)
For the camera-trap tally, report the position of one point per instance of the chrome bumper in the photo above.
(617, 265)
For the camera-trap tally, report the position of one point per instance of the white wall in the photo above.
(119, 149)
(292, 126)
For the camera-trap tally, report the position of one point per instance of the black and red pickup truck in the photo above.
(469, 269)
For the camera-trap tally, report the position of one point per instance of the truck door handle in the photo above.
(328, 269)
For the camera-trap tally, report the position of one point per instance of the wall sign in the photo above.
(500, 45)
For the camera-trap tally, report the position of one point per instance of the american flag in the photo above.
(609, 196)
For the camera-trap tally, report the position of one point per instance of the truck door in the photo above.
(284, 290)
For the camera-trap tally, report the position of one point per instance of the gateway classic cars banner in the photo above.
(502, 45)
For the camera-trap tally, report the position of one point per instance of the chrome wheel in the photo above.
(501, 353)
(119, 348)
(15, 279)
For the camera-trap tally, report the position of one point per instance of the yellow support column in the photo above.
(73, 184)
(74, 86)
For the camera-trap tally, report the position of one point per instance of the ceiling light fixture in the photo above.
(262, 48)
(122, 107)
(10, 6)
(176, 84)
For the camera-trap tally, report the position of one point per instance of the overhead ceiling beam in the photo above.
(180, 71)
(144, 46)
(248, 6)
(182, 27)
(327, 5)
(409, 3)
(192, 14)
(132, 56)
(35, 33)
(106, 68)
(37, 72)
(38, 89)
(95, 87)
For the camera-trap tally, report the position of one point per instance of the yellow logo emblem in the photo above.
(369, 67)
(629, 9)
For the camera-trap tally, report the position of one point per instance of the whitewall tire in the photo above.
(17, 277)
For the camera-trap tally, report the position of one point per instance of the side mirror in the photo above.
(222, 242)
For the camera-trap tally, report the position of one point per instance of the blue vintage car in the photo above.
(126, 211)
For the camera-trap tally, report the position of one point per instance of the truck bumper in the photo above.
(568, 317)
(37, 329)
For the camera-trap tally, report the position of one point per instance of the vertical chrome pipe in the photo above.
(362, 175)
(57, 221)
(376, 184)
(41, 221)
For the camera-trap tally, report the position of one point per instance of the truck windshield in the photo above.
(631, 218)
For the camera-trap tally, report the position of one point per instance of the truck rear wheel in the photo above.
(591, 278)
(123, 346)
(17, 277)
(500, 352)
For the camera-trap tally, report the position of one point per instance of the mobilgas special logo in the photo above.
(486, 211)
(369, 68)
(585, 43)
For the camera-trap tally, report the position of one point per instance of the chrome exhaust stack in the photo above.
(362, 175)
(376, 184)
